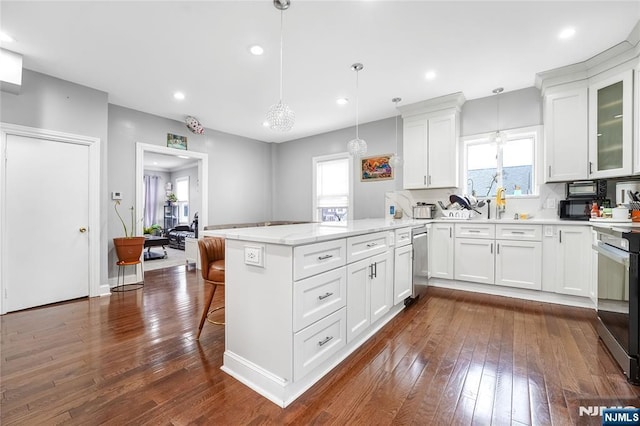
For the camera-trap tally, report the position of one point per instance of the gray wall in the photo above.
(293, 172)
(49, 103)
(520, 108)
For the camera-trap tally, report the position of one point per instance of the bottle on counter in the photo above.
(595, 211)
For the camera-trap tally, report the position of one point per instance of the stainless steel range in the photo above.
(618, 251)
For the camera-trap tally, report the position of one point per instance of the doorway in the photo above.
(146, 154)
(49, 187)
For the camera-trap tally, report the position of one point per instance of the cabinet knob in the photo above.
(83, 229)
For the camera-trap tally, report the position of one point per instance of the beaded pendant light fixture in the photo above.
(357, 147)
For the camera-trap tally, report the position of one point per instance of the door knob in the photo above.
(83, 229)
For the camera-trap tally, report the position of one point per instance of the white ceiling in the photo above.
(141, 52)
(166, 162)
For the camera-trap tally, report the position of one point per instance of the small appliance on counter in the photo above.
(579, 209)
(424, 211)
(587, 190)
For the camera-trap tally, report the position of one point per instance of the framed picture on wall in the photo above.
(176, 141)
(376, 168)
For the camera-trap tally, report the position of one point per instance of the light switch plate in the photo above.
(551, 203)
(254, 255)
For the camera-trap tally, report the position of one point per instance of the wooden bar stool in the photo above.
(212, 269)
(122, 265)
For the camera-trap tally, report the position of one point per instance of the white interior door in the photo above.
(46, 259)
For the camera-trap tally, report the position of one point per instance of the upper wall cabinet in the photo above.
(611, 126)
(430, 142)
(565, 131)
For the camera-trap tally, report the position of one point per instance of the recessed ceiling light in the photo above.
(256, 50)
(179, 96)
(265, 123)
(342, 101)
(567, 33)
(430, 75)
(6, 38)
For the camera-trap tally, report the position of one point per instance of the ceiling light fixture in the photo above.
(280, 116)
(567, 33)
(430, 75)
(498, 136)
(342, 101)
(256, 50)
(357, 147)
(178, 95)
(395, 160)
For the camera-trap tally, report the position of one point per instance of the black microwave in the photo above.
(578, 209)
(587, 189)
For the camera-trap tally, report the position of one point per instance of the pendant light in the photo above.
(280, 117)
(498, 136)
(357, 147)
(395, 160)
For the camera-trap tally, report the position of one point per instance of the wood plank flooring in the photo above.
(451, 358)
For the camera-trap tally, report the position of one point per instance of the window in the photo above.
(332, 188)
(510, 164)
(182, 193)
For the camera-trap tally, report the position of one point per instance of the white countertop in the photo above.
(305, 233)
(511, 221)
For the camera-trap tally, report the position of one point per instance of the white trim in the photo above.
(6, 129)
(314, 186)
(203, 181)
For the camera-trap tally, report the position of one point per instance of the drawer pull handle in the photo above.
(324, 296)
(517, 232)
(325, 257)
(474, 230)
(372, 245)
(325, 341)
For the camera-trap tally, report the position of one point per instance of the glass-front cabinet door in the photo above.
(611, 126)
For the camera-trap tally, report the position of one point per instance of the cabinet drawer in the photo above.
(364, 246)
(318, 342)
(402, 237)
(313, 259)
(519, 232)
(473, 230)
(318, 296)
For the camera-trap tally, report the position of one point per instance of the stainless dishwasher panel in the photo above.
(420, 261)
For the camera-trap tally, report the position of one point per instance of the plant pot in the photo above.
(129, 249)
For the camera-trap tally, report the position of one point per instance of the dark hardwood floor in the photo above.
(451, 358)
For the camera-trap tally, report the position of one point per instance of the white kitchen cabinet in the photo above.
(369, 292)
(566, 129)
(573, 269)
(636, 122)
(402, 273)
(593, 278)
(474, 259)
(441, 250)
(519, 264)
(611, 125)
(430, 142)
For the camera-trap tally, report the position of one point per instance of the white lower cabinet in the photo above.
(441, 250)
(567, 260)
(402, 273)
(519, 264)
(474, 260)
(369, 292)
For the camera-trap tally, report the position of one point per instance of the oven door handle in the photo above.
(617, 255)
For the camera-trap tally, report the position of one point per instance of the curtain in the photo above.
(150, 200)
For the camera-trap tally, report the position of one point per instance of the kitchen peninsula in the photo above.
(300, 298)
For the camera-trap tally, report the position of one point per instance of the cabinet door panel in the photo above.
(442, 159)
(566, 135)
(358, 298)
(381, 290)
(474, 260)
(519, 264)
(441, 251)
(414, 145)
(574, 254)
(402, 267)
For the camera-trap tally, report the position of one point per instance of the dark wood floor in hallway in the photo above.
(451, 358)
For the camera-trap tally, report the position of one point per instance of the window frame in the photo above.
(181, 203)
(536, 132)
(314, 184)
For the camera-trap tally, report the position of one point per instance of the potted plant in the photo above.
(128, 248)
(171, 198)
(154, 229)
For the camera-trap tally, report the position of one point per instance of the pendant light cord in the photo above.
(357, 91)
(281, 41)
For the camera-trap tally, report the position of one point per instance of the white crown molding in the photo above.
(446, 102)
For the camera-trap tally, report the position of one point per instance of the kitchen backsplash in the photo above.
(543, 206)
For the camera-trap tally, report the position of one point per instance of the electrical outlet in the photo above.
(551, 203)
(253, 255)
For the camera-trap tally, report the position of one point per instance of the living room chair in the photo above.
(212, 269)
